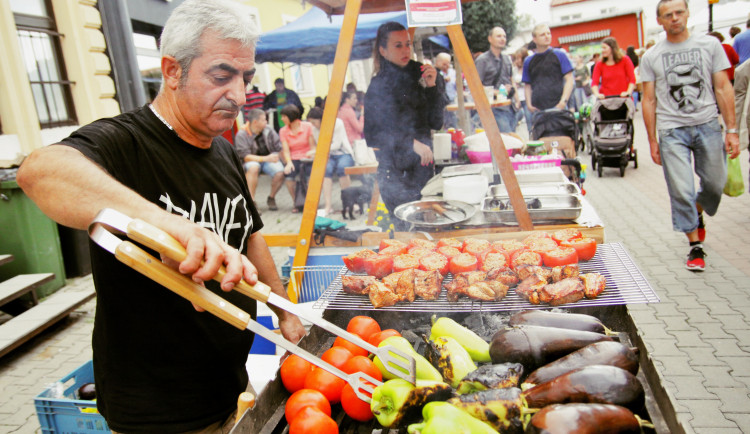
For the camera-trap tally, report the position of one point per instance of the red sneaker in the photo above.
(695, 259)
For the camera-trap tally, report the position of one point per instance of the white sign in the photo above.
(426, 13)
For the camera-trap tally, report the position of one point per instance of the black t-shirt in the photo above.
(547, 81)
(262, 148)
(159, 365)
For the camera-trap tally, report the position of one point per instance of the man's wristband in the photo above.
(733, 131)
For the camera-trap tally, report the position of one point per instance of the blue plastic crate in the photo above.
(323, 265)
(262, 345)
(69, 415)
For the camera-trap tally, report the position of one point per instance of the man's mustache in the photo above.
(228, 105)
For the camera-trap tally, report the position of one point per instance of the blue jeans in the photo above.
(678, 148)
(337, 163)
(268, 168)
(524, 113)
(505, 118)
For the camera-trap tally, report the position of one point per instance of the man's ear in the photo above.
(171, 71)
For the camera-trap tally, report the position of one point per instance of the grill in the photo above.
(625, 285)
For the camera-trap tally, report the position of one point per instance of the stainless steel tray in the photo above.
(555, 207)
(538, 189)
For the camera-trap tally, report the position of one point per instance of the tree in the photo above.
(481, 16)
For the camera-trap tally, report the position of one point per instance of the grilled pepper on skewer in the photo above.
(478, 348)
(425, 371)
(449, 357)
(500, 408)
(443, 418)
(397, 401)
(486, 377)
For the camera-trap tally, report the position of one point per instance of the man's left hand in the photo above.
(291, 328)
(732, 145)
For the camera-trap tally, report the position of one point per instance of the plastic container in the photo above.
(469, 188)
(69, 414)
(537, 163)
(535, 148)
(478, 157)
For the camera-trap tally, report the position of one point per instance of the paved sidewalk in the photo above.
(699, 335)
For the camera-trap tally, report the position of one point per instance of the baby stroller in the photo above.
(552, 123)
(612, 126)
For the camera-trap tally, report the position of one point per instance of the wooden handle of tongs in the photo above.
(155, 238)
(245, 401)
(137, 259)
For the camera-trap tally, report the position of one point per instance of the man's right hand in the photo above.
(655, 155)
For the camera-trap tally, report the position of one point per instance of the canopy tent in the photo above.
(312, 38)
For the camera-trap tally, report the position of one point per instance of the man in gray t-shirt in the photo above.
(684, 79)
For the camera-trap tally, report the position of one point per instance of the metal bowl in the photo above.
(435, 213)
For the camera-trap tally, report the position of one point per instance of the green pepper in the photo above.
(443, 418)
(450, 358)
(397, 401)
(478, 348)
(425, 371)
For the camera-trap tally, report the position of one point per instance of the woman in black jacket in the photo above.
(403, 103)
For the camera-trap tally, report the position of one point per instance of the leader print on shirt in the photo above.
(686, 86)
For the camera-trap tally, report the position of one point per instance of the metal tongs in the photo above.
(109, 223)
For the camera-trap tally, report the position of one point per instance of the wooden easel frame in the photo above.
(302, 240)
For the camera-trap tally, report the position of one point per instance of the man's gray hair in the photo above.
(190, 20)
(661, 2)
(255, 114)
(535, 31)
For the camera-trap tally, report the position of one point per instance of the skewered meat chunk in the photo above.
(461, 281)
(489, 290)
(524, 271)
(381, 295)
(565, 291)
(529, 288)
(505, 275)
(428, 284)
(356, 284)
(564, 271)
(405, 285)
(593, 284)
(391, 280)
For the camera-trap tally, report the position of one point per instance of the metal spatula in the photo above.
(136, 258)
(395, 361)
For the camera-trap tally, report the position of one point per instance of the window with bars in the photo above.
(42, 59)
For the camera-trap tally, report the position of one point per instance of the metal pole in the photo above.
(710, 17)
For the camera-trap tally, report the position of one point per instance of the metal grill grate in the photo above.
(625, 285)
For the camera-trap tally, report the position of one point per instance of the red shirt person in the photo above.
(614, 74)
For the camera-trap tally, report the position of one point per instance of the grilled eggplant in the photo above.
(535, 346)
(597, 384)
(584, 419)
(486, 377)
(573, 321)
(599, 353)
(501, 408)
(449, 357)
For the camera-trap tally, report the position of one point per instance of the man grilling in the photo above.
(159, 364)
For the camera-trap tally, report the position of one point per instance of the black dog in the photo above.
(359, 195)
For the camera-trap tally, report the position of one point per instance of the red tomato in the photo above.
(418, 252)
(326, 383)
(566, 234)
(540, 245)
(363, 326)
(355, 407)
(434, 261)
(463, 262)
(508, 246)
(405, 262)
(305, 398)
(379, 265)
(585, 247)
(310, 420)
(293, 372)
(475, 246)
(525, 256)
(492, 260)
(560, 256)
(356, 261)
(379, 337)
(394, 250)
(536, 235)
(448, 251)
(355, 350)
(362, 364)
(425, 244)
(387, 242)
(450, 242)
(337, 356)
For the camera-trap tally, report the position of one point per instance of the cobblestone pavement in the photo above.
(698, 335)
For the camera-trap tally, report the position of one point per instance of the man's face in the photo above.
(543, 38)
(213, 92)
(673, 17)
(497, 39)
(279, 86)
(257, 125)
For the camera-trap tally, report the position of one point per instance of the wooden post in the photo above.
(500, 154)
(338, 76)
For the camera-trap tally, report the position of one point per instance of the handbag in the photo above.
(734, 186)
(363, 154)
